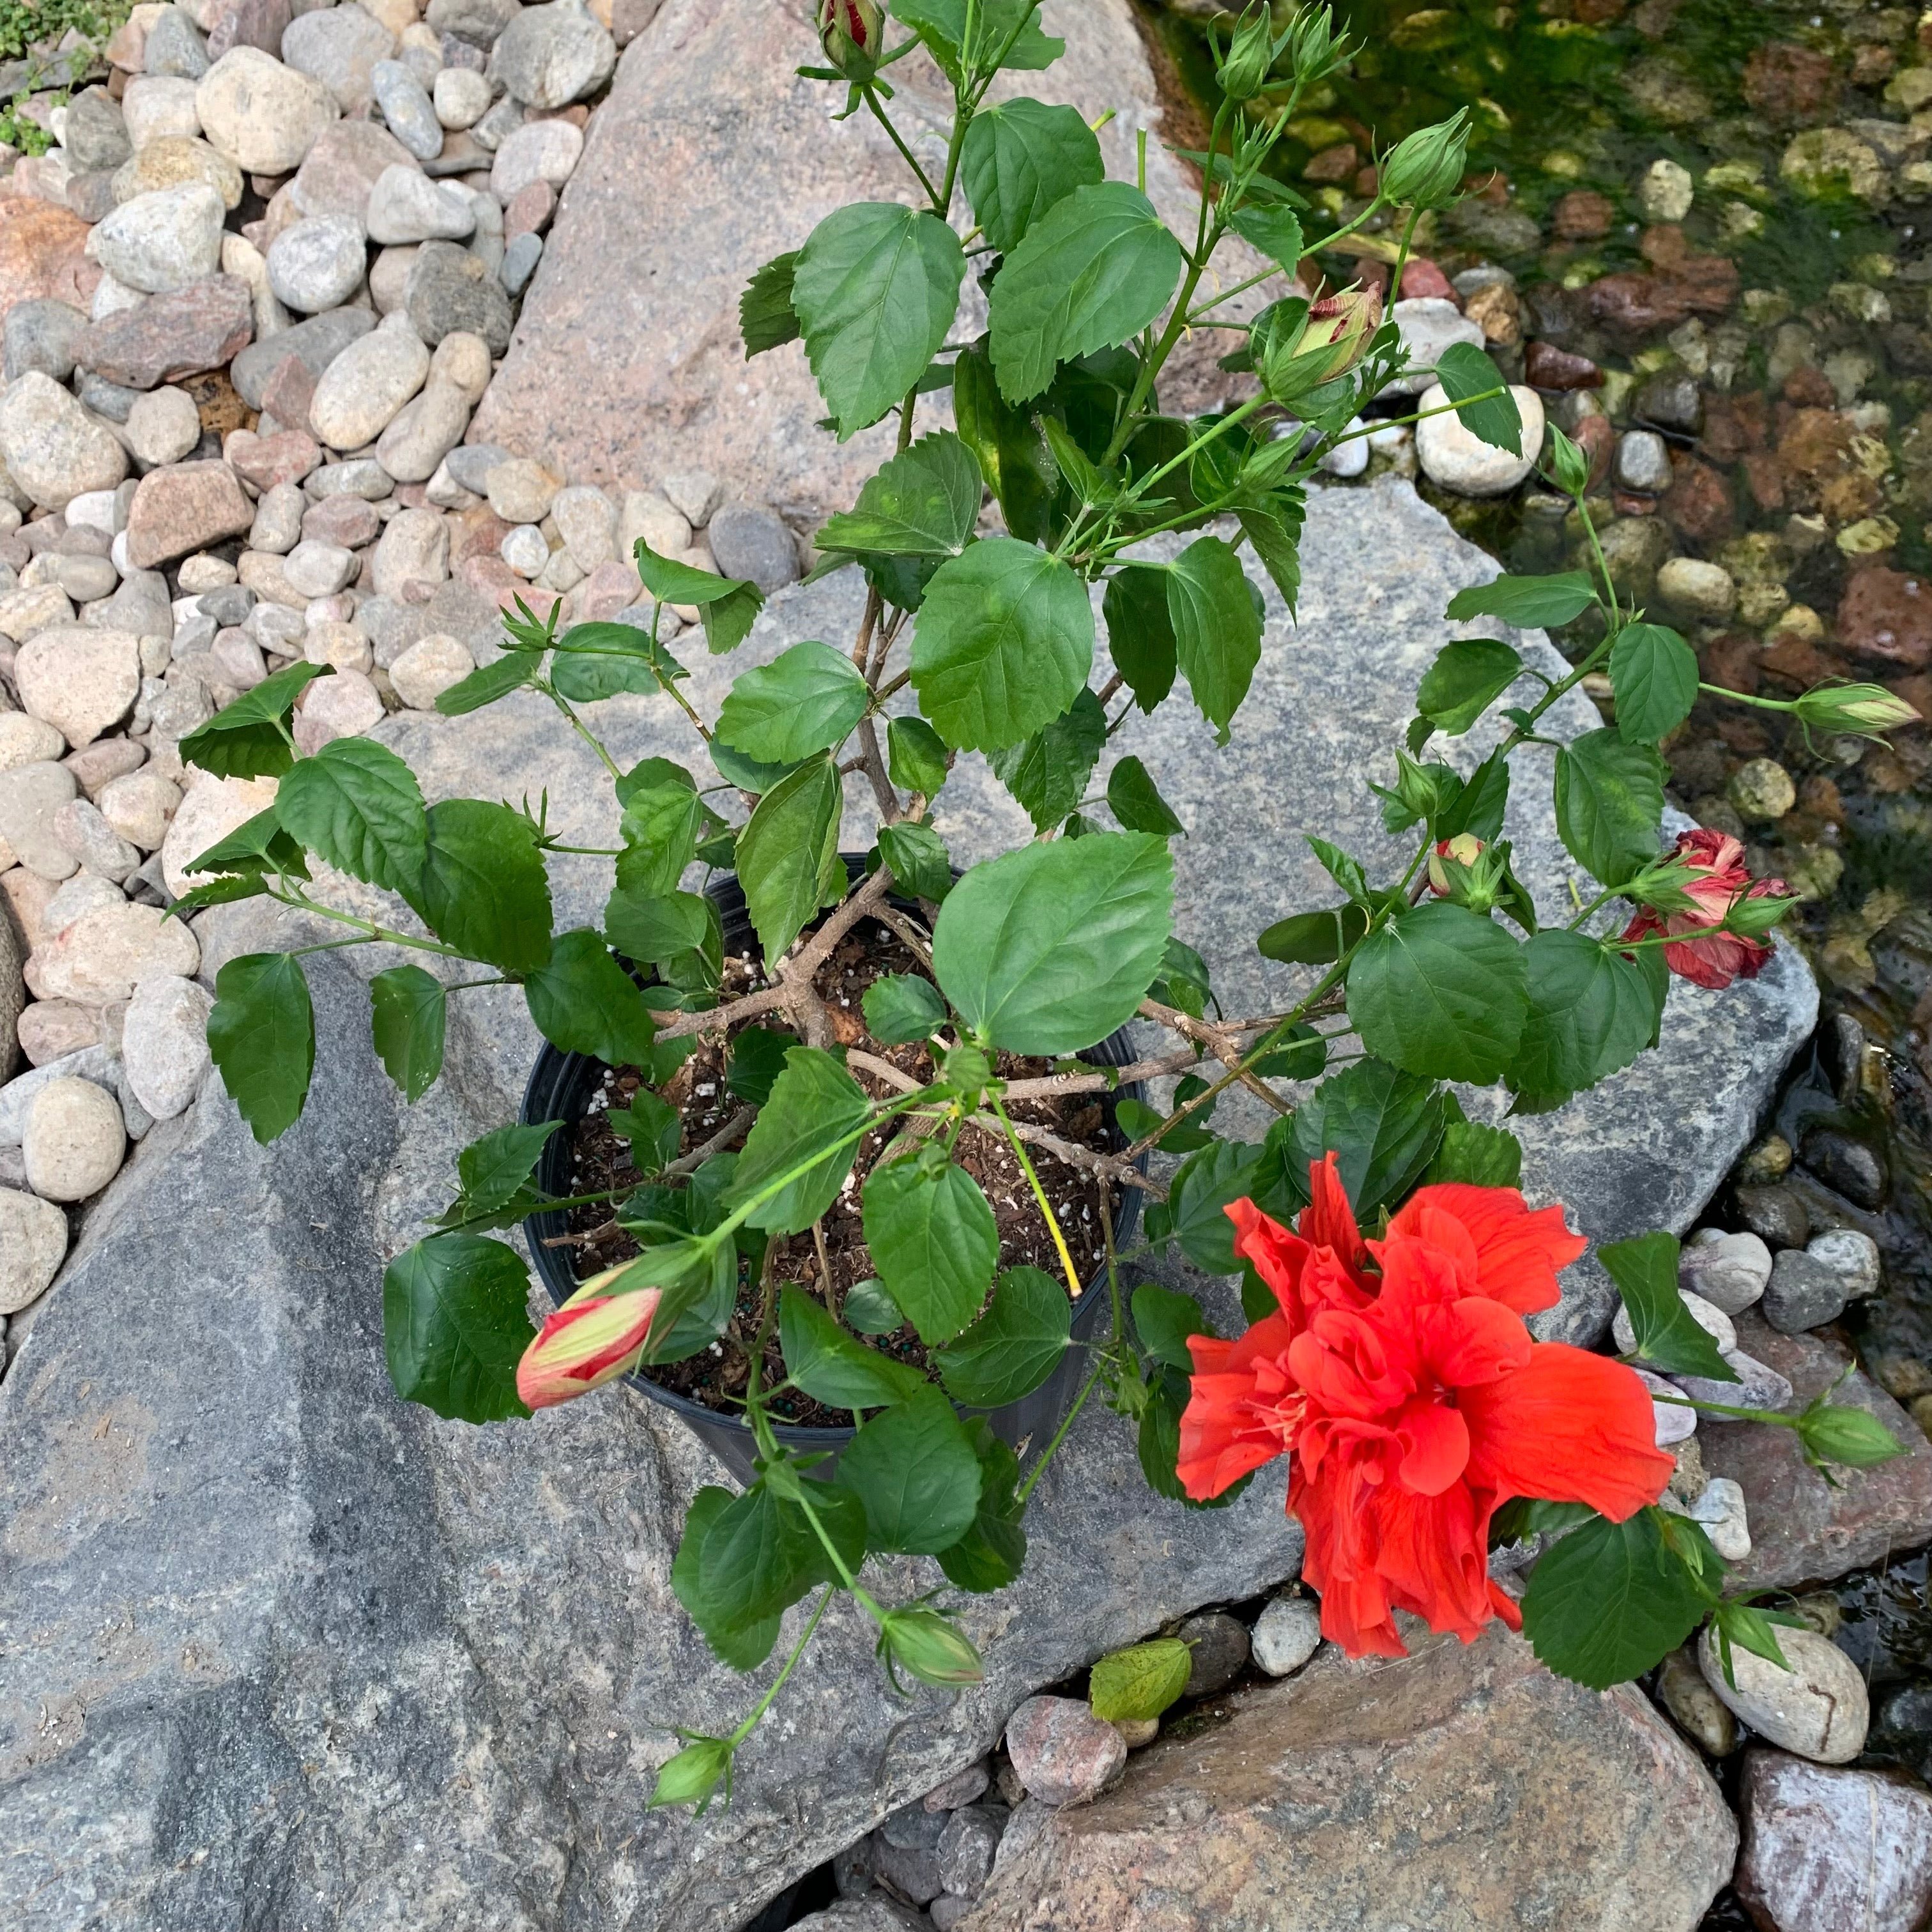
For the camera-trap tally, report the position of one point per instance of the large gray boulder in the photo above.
(708, 158)
(275, 1635)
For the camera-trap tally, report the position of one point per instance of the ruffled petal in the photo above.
(1328, 1221)
(1471, 1341)
(1277, 1254)
(1433, 1554)
(1569, 1427)
(1518, 1251)
(1434, 1441)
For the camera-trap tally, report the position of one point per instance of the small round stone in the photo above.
(74, 1140)
(318, 569)
(1729, 1271)
(1762, 791)
(1816, 1709)
(1457, 459)
(524, 549)
(1697, 589)
(1713, 1321)
(164, 1043)
(1665, 191)
(163, 426)
(1286, 1634)
(1063, 1753)
(1684, 1694)
(317, 264)
(1220, 1646)
(1851, 1257)
(748, 541)
(540, 150)
(520, 490)
(428, 668)
(1803, 1294)
(33, 1244)
(1643, 462)
(461, 97)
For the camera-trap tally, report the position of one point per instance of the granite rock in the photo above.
(548, 56)
(263, 116)
(340, 47)
(162, 241)
(316, 342)
(318, 263)
(170, 336)
(1446, 1788)
(80, 680)
(183, 508)
(52, 448)
(362, 389)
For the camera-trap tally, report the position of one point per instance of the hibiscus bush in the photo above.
(1424, 1426)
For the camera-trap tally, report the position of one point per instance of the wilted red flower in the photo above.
(588, 1342)
(1718, 881)
(1399, 1375)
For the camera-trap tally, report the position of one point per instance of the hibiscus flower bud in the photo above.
(693, 1776)
(592, 1340)
(1426, 170)
(1313, 50)
(850, 31)
(927, 1646)
(1837, 1433)
(1250, 54)
(1569, 464)
(1462, 851)
(1863, 710)
(1298, 346)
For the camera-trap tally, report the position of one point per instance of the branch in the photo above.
(1219, 1045)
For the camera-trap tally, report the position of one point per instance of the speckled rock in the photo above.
(540, 151)
(1817, 1708)
(105, 954)
(170, 336)
(164, 1043)
(405, 107)
(339, 47)
(184, 507)
(263, 116)
(428, 668)
(74, 1140)
(406, 205)
(163, 426)
(1063, 1753)
(81, 680)
(31, 796)
(341, 707)
(317, 264)
(449, 290)
(211, 808)
(361, 390)
(162, 241)
(44, 335)
(1287, 1633)
(52, 448)
(550, 55)
(33, 1244)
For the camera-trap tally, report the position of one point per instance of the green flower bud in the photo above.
(1863, 710)
(1313, 50)
(1426, 170)
(1250, 54)
(1569, 465)
(1297, 345)
(692, 1777)
(1837, 1433)
(926, 1645)
(850, 31)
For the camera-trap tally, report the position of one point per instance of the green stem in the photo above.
(911, 160)
(584, 731)
(1744, 698)
(1046, 1455)
(1040, 1194)
(372, 932)
(764, 1703)
(1602, 899)
(1725, 1409)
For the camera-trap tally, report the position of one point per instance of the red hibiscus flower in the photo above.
(1399, 1375)
(1718, 881)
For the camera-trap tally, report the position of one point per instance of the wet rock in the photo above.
(33, 1244)
(1642, 461)
(1804, 1294)
(1886, 614)
(1453, 457)
(1702, 592)
(1789, 84)
(74, 1140)
(1729, 1271)
(50, 446)
(263, 116)
(1547, 366)
(1817, 1708)
(450, 290)
(1827, 161)
(1803, 1527)
(1670, 402)
(1286, 1634)
(1830, 1848)
(183, 508)
(171, 336)
(1762, 790)
(1429, 324)
(548, 56)
(1857, 1171)
(1063, 1753)
(1702, 1715)
(339, 46)
(1309, 1791)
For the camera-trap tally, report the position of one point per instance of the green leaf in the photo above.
(805, 700)
(869, 1308)
(1012, 1348)
(783, 854)
(409, 1007)
(671, 582)
(915, 756)
(484, 889)
(1670, 1338)
(248, 739)
(933, 1239)
(1654, 675)
(1217, 628)
(661, 827)
(1313, 938)
(761, 1554)
(1140, 633)
(1381, 1125)
(491, 1170)
(1481, 804)
(1343, 868)
(1440, 992)
(1223, 1171)
(358, 806)
(454, 1326)
(1609, 800)
(757, 1059)
(261, 1035)
(1163, 1320)
(488, 682)
(1048, 773)
(1465, 373)
(1529, 603)
(992, 1553)
(1018, 159)
(1612, 1600)
(914, 1467)
(257, 845)
(583, 1001)
(1136, 1685)
(941, 25)
(875, 288)
(1467, 677)
(225, 891)
(766, 318)
(651, 929)
(1481, 1156)
(743, 1646)
(918, 858)
(830, 1365)
(1050, 948)
(1011, 447)
(1737, 1622)
(1135, 799)
(902, 1007)
(1002, 645)
(652, 1128)
(1274, 529)
(802, 1143)
(1273, 230)
(924, 502)
(1093, 271)
(1591, 1013)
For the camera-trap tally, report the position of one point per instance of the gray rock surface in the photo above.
(1458, 1787)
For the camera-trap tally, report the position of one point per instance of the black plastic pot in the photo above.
(560, 1088)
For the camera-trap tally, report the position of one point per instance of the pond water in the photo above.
(1726, 209)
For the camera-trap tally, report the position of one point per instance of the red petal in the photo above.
(1433, 1554)
(1435, 1441)
(1518, 1252)
(1569, 1427)
(1472, 1341)
(1278, 1254)
(1328, 1220)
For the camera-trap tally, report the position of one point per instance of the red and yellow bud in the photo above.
(1331, 339)
(850, 31)
(592, 1340)
(1462, 850)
